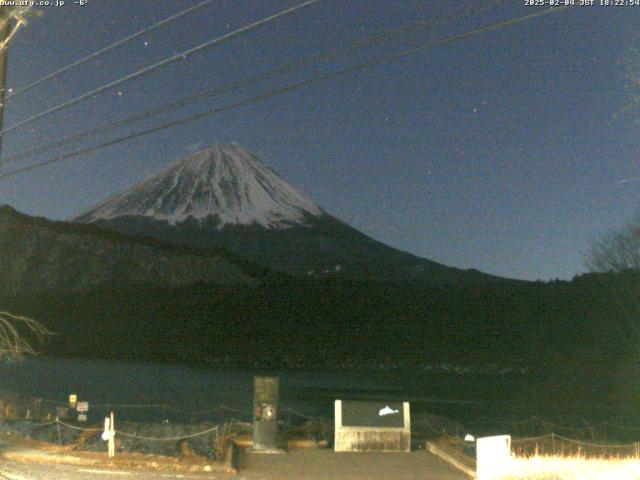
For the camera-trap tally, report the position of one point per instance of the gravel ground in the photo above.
(37, 471)
(29, 460)
(295, 465)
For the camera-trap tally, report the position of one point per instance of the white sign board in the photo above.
(493, 455)
(82, 407)
(363, 426)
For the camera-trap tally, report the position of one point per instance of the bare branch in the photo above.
(618, 250)
(13, 331)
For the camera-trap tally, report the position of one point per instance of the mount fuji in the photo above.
(224, 196)
(224, 184)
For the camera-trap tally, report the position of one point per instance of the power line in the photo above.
(162, 63)
(97, 53)
(232, 86)
(286, 89)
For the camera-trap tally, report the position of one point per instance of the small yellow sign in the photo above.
(73, 399)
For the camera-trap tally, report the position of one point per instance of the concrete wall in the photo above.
(368, 439)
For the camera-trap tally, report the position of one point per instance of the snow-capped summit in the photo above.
(224, 183)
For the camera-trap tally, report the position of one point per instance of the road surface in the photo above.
(328, 465)
(295, 465)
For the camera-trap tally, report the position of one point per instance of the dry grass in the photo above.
(542, 467)
(26, 450)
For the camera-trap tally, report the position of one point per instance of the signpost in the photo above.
(82, 408)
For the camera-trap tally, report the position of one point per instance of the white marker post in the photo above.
(109, 435)
(493, 456)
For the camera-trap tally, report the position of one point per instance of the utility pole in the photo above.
(7, 14)
(5, 31)
(5, 20)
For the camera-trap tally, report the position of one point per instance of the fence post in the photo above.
(112, 436)
(553, 442)
(58, 426)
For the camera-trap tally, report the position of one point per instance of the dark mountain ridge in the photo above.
(224, 197)
(38, 255)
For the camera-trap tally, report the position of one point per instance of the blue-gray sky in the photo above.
(508, 151)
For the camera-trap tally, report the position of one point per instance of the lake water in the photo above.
(181, 388)
(184, 394)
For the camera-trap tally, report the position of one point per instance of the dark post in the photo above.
(265, 414)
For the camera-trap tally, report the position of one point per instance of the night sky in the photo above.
(508, 151)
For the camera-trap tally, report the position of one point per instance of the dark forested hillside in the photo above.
(577, 341)
(312, 322)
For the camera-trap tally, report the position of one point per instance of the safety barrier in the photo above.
(529, 435)
(604, 431)
(15, 407)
